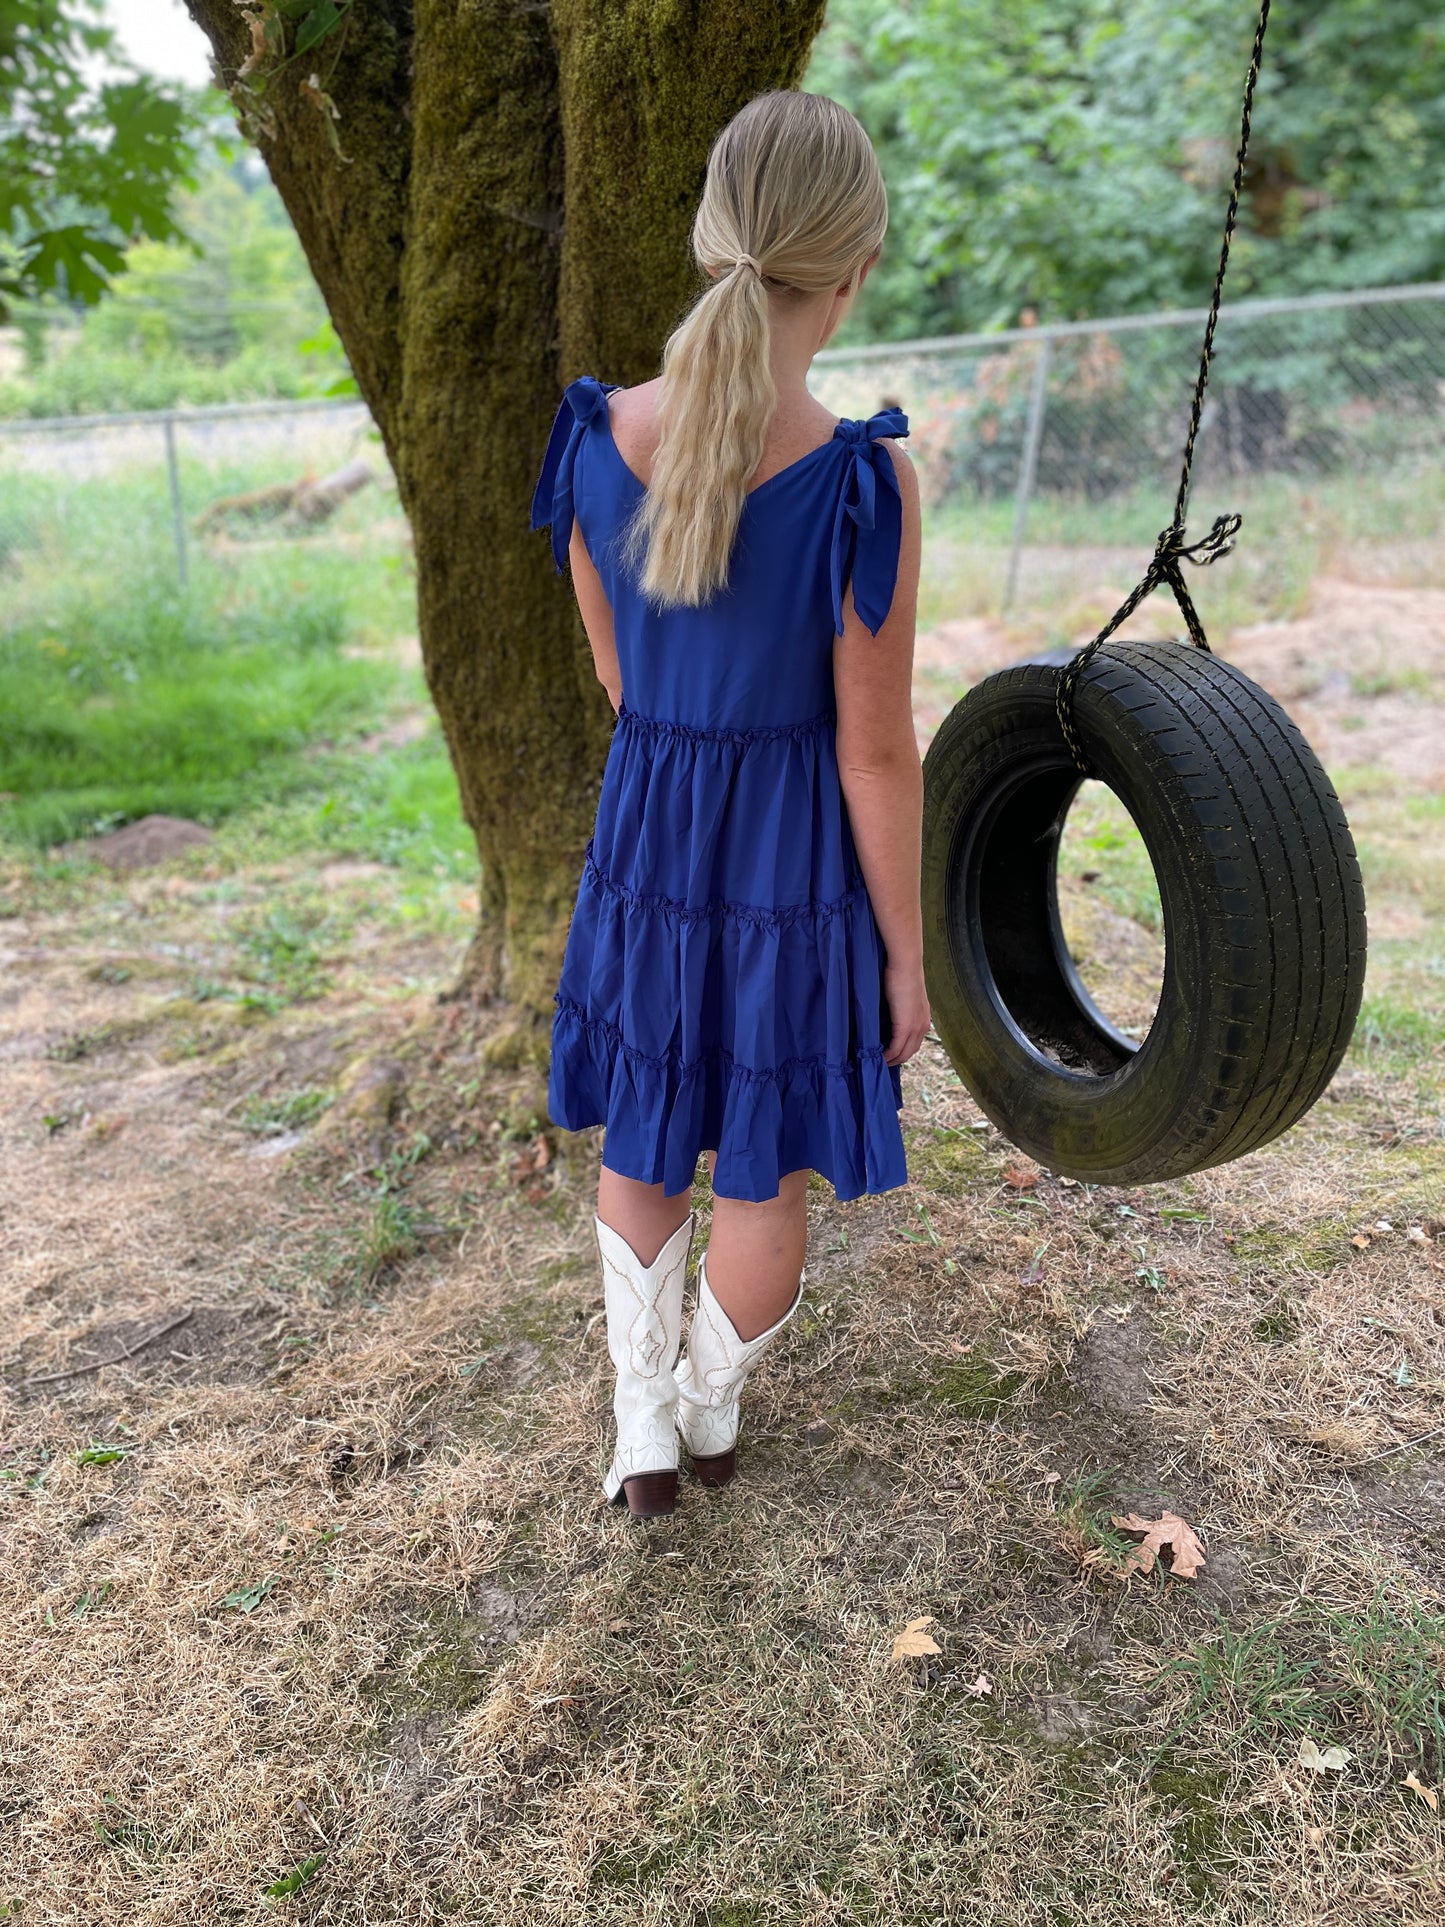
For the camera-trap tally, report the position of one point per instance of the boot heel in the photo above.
(649, 1495)
(719, 1469)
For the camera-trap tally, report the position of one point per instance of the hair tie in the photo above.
(747, 261)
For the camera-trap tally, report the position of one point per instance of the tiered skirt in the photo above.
(722, 981)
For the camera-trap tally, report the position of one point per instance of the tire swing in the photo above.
(1263, 907)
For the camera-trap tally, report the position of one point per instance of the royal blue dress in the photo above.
(722, 982)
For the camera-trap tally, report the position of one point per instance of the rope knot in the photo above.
(1218, 542)
(1171, 548)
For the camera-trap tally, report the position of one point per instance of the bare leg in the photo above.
(755, 1252)
(640, 1213)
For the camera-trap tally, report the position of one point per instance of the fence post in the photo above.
(1028, 467)
(178, 520)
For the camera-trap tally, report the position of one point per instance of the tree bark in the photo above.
(513, 211)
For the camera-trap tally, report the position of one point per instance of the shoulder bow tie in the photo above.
(868, 521)
(583, 401)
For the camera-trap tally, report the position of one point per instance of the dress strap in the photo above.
(868, 522)
(583, 401)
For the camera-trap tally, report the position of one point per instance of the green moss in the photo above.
(437, 1672)
(556, 1270)
(952, 1164)
(1194, 1799)
(975, 1387)
(1316, 1247)
(1276, 1324)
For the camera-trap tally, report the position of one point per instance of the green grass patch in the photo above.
(399, 807)
(1390, 1025)
(1369, 1678)
(293, 1111)
(1101, 840)
(122, 693)
(1314, 1248)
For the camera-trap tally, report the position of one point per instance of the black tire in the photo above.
(1264, 913)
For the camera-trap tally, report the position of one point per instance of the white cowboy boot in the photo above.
(710, 1380)
(644, 1331)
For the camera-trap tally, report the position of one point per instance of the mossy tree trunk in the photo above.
(512, 211)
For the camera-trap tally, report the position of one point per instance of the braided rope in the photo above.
(1171, 549)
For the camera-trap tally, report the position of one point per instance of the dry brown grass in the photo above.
(475, 1693)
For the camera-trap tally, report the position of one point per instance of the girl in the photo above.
(744, 967)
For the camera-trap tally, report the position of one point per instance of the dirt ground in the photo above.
(311, 1603)
(1362, 673)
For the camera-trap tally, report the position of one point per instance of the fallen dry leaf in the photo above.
(1425, 1793)
(913, 1642)
(1360, 1241)
(1168, 1532)
(1019, 1178)
(1334, 1759)
(982, 1687)
(535, 1157)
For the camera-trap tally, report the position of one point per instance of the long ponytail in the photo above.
(793, 200)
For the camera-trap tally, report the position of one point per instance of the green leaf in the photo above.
(322, 20)
(89, 156)
(299, 1877)
(74, 261)
(247, 1598)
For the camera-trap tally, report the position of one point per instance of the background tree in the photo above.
(1073, 156)
(229, 313)
(493, 199)
(90, 152)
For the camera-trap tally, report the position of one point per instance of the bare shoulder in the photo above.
(903, 467)
(633, 413)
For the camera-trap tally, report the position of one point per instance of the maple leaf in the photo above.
(1168, 1533)
(1334, 1759)
(1019, 1178)
(1427, 1794)
(913, 1642)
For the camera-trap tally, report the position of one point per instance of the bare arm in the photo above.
(882, 776)
(596, 616)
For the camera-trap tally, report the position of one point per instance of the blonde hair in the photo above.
(793, 196)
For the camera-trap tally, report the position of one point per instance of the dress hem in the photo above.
(661, 1113)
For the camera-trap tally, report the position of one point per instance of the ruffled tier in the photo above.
(662, 1113)
(752, 816)
(758, 1034)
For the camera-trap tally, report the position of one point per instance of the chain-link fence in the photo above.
(1038, 442)
(83, 492)
(1033, 445)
